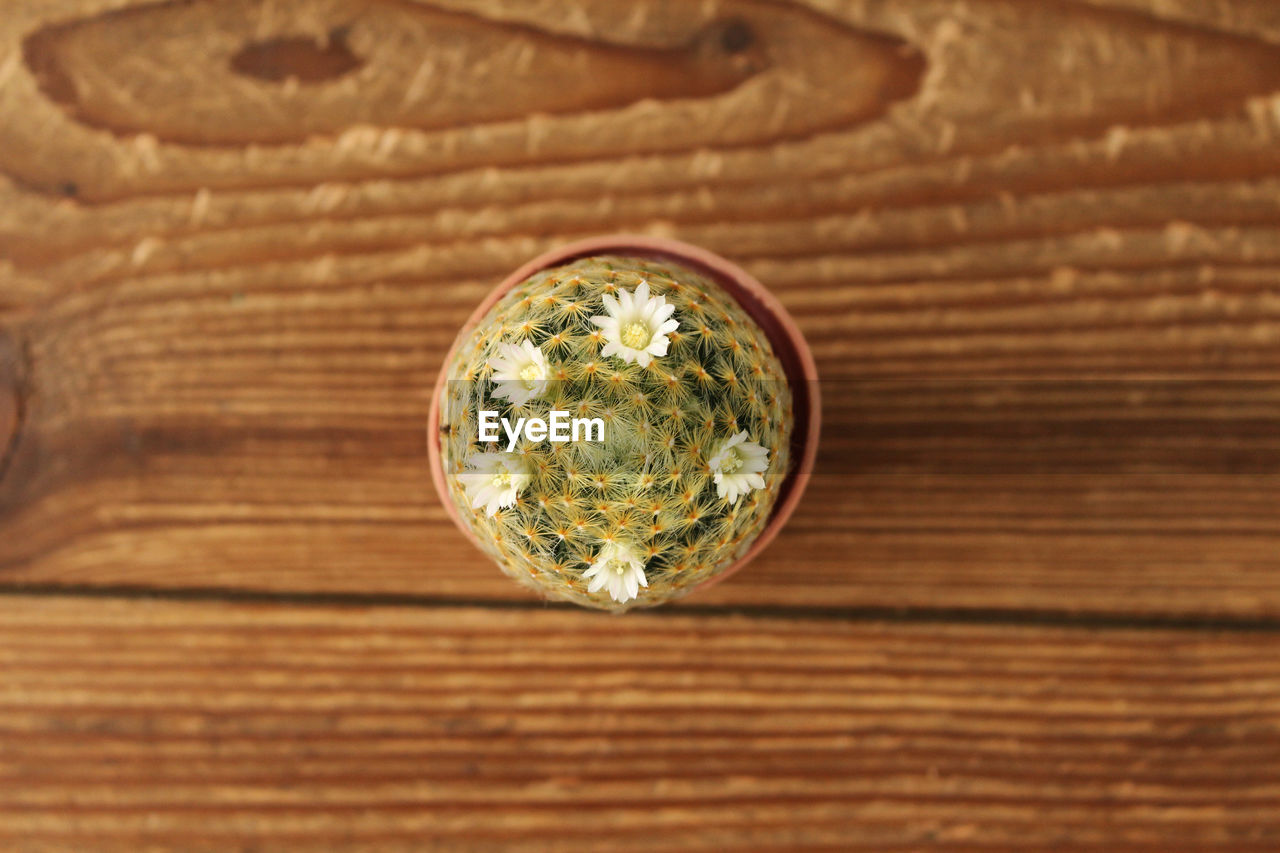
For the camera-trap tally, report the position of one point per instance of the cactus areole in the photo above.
(614, 427)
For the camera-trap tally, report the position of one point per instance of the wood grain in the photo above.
(1034, 246)
(211, 726)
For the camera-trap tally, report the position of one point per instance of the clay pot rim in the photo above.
(788, 343)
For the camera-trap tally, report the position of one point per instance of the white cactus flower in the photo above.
(738, 465)
(495, 480)
(637, 325)
(620, 570)
(520, 372)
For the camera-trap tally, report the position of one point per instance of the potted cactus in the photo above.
(623, 420)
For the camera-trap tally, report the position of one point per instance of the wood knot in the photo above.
(733, 43)
(301, 58)
(736, 35)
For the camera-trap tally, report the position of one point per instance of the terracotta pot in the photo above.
(788, 344)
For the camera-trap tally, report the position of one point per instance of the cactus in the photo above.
(697, 420)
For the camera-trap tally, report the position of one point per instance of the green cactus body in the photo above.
(697, 421)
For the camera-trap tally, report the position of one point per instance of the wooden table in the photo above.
(1030, 602)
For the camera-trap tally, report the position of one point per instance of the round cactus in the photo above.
(685, 419)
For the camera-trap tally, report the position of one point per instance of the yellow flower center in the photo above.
(619, 568)
(502, 478)
(730, 462)
(636, 335)
(531, 373)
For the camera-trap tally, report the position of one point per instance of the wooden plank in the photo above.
(221, 352)
(190, 726)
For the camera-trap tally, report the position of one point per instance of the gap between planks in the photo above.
(997, 617)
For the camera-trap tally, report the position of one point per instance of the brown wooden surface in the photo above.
(1035, 248)
(227, 347)
(198, 724)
